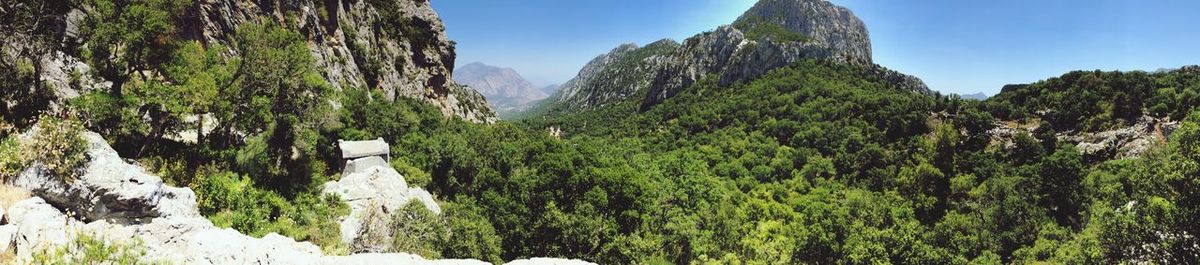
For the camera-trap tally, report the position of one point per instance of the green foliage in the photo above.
(232, 200)
(759, 28)
(124, 37)
(471, 234)
(12, 159)
(1096, 100)
(417, 230)
(24, 97)
(90, 249)
(58, 147)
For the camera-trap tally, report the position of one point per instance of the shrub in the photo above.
(57, 145)
(233, 201)
(12, 161)
(417, 230)
(471, 234)
(90, 249)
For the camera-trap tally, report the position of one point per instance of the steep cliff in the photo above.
(772, 34)
(397, 46)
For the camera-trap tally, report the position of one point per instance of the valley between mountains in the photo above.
(343, 132)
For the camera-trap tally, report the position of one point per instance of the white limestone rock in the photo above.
(7, 235)
(379, 186)
(109, 188)
(37, 223)
(548, 261)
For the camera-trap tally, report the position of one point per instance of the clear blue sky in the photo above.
(955, 46)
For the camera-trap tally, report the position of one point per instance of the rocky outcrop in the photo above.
(823, 30)
(109, 188)
(120, 202)
(615, 76)
(374, 189)
(772, 34)
(1124, 142)
(504, 88)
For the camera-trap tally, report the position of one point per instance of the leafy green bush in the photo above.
(417, 230)
(471, 234)
(232, 200)
(12, 160)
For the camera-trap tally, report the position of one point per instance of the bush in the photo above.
(471, 234)
(90, 249)
(233, 201)
(58, 146)
(417, 230)
(11, 159)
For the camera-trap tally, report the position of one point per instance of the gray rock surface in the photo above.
(108, 189)
(505, 89)
(376, 188)
(1129, 141)
(772, 34)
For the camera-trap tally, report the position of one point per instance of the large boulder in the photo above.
(378, 188)
(109, 188)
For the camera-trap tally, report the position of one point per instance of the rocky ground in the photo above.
(120, 202)
(1124, 142)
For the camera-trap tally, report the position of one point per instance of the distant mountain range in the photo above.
(979, 96)
(505, 89)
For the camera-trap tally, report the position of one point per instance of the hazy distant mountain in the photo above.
(504, 88)
(979, 96)
(550, 89)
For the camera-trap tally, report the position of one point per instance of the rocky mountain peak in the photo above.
(772, 34)
(819, 22)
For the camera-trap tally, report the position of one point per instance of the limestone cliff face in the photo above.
(826, 30)
(399, 46)
(772, 34)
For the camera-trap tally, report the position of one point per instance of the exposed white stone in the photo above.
(109, 187)
(379, 186)
(7, 235)
(548, 261)
(38, 224)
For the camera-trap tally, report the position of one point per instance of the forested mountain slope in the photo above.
(772, 34)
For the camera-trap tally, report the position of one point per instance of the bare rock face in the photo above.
(1125, 142)
(399, 46)
(826, 30)
(771, 35)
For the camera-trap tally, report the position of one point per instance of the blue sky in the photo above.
(955, 46)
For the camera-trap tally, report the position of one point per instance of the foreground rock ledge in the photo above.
(118, 201)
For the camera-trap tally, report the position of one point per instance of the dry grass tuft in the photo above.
(10, 195)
